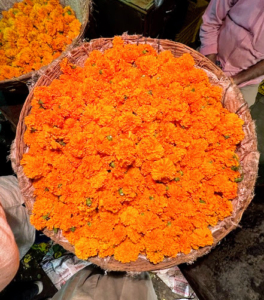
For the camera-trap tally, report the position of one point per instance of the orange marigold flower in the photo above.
(86, 247)
(127, 251)
(163, 169)
(125, 152)
(150, 149)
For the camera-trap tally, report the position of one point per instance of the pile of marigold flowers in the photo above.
(32, 34)
(132, 154)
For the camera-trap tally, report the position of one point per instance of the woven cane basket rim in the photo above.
(12, 82)
(246, 151)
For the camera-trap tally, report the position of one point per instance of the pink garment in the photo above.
(234, 30)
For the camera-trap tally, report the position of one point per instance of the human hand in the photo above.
(212, 57)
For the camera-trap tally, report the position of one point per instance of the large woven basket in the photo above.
(81, 9)
(232, 100)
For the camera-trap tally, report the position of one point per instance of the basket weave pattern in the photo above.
(246, 150)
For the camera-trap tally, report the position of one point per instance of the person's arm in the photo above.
(9, 255)
(249, 74)
(213, 18)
